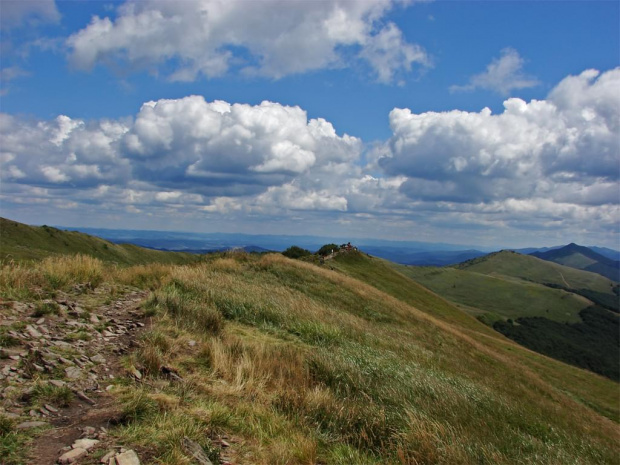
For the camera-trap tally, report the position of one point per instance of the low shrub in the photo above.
(296, 252)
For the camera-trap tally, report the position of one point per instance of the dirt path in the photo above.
(67, 350)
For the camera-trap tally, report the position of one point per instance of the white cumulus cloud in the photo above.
(553, 148)
(541, 166)
(233, 149)
(185, 145)
(272, 38)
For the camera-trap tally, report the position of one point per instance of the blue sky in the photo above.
(374, 122)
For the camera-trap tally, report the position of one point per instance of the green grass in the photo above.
(58, 396)
(498, 295)
(45, 308)
(573, 381)
(20, 242)
(356, 365)
(12, 442)
(526, 267)
(576, 260)
(359, 374)
(392, 279)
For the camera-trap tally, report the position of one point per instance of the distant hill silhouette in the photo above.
(582, 258)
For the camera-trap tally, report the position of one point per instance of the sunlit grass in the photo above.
(302, 365)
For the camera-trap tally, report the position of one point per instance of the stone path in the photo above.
(57, 350)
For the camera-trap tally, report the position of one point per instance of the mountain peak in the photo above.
(582, 258)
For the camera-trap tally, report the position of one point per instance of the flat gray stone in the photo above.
(50, 408)
(86, 444)
(72, 456)
(127, 458)
(31, 424)
(107, 457)
(33, 332)
(73, 372)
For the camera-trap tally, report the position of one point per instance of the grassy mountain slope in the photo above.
(20, 242)
(583, 258)
(387, 277)
(497, 295)
(303, 364)
(504, 290)
(526, 267)
(392, 279)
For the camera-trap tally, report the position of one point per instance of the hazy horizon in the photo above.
(441, 245)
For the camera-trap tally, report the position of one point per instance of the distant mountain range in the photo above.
(403, 252)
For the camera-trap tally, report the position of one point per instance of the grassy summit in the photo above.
(568, 314)
(527, 267)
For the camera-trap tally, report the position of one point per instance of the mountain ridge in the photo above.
(584, 258)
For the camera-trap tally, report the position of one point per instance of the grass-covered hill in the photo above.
(530, 268)
(510, 285)
(19, 242)
(568, 314)
(345, 363)
(498, 297)
(583, 258)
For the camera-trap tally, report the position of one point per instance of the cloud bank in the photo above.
(539, 166)
(542, 149)
(272, 38)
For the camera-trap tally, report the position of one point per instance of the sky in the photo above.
(491, 123)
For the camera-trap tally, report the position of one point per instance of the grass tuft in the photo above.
(59, 396)
(65, 271)
(45, 308)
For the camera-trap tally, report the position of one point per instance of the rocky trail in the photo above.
(57, 363)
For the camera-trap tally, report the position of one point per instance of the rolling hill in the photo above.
(498, 297)
(568, 314)
(583, 258)
(19, 242)
(530, 268)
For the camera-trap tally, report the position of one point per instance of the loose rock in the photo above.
(31, 424)
(73, 372)
(106, 458)
(72, 456)
(86, 444)
(127, 458)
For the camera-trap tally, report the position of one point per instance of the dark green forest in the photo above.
(591, 344)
